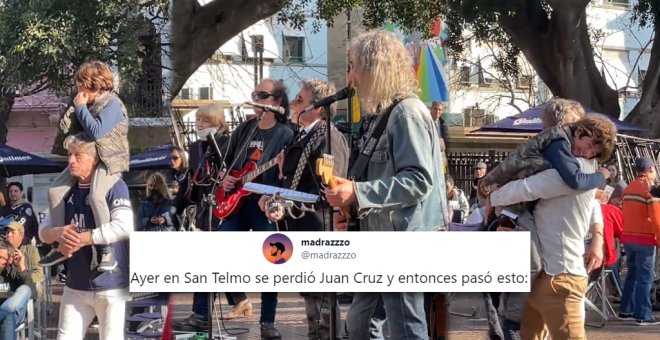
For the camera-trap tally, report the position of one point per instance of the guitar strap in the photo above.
(318, 133)
(359, 168)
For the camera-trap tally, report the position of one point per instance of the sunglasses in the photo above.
(175, 158)
(298, 99)
(261, 95)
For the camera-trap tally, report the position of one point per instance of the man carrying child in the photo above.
(568, 135)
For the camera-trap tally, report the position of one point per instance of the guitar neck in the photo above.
(259, 170)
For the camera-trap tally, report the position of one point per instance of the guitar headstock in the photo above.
(324, 167)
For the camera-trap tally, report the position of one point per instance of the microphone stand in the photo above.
(332, 296)
(210, 201)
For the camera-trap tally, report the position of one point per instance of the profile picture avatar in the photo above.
(277, 248)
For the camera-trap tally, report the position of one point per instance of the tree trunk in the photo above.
(647, 111)
(6, 103)
(198, 31)
(559, 49)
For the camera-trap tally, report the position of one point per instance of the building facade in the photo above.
(264, 50)
(621, 51)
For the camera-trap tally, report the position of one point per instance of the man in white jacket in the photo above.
(563, 219)
(88, 292)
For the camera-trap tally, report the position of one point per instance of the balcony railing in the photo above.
(145, 101)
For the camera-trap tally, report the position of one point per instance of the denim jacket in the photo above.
(405, 188)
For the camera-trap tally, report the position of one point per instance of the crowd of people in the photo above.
(393, 179)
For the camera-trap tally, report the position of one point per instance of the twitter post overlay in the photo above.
(326, 262)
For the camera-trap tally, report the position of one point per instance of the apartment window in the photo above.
(525, 81)
(465, 75)
(186, 93)
(293, 48)
(471, 75)
(477, 75)
(205, 93)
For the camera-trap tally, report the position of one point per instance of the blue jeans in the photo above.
(637, 289)
(249, 217)
(616, 267)
(406, 319)
(377, 321)
(268, 306)
(12, 311)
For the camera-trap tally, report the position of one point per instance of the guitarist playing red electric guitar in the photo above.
(250, 144)
(230, 202)
(257, 140)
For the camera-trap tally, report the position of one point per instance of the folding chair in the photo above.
(151, 322)
(26, 328)
(48, 292)
(42, 310)
(597, 294)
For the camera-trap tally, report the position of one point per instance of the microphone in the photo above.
(276, 109)
(344, 93)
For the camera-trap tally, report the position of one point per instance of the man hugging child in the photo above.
(568, 134)
(101, 115)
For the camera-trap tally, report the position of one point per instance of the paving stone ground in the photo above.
(291, 322)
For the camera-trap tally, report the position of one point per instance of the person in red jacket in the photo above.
(613, 219)
(613, 228)
(641, 235)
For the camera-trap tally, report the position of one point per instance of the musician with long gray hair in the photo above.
(403, 187)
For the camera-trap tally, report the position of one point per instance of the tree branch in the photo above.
(199, 30)
(650, 89)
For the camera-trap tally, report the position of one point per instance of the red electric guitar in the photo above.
(229, 203)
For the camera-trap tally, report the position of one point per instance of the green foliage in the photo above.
(646, 12)
(481, 19)
(410, 15)
(42, 41)
(479, 16)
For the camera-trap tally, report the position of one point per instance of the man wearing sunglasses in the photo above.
(271, 136)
